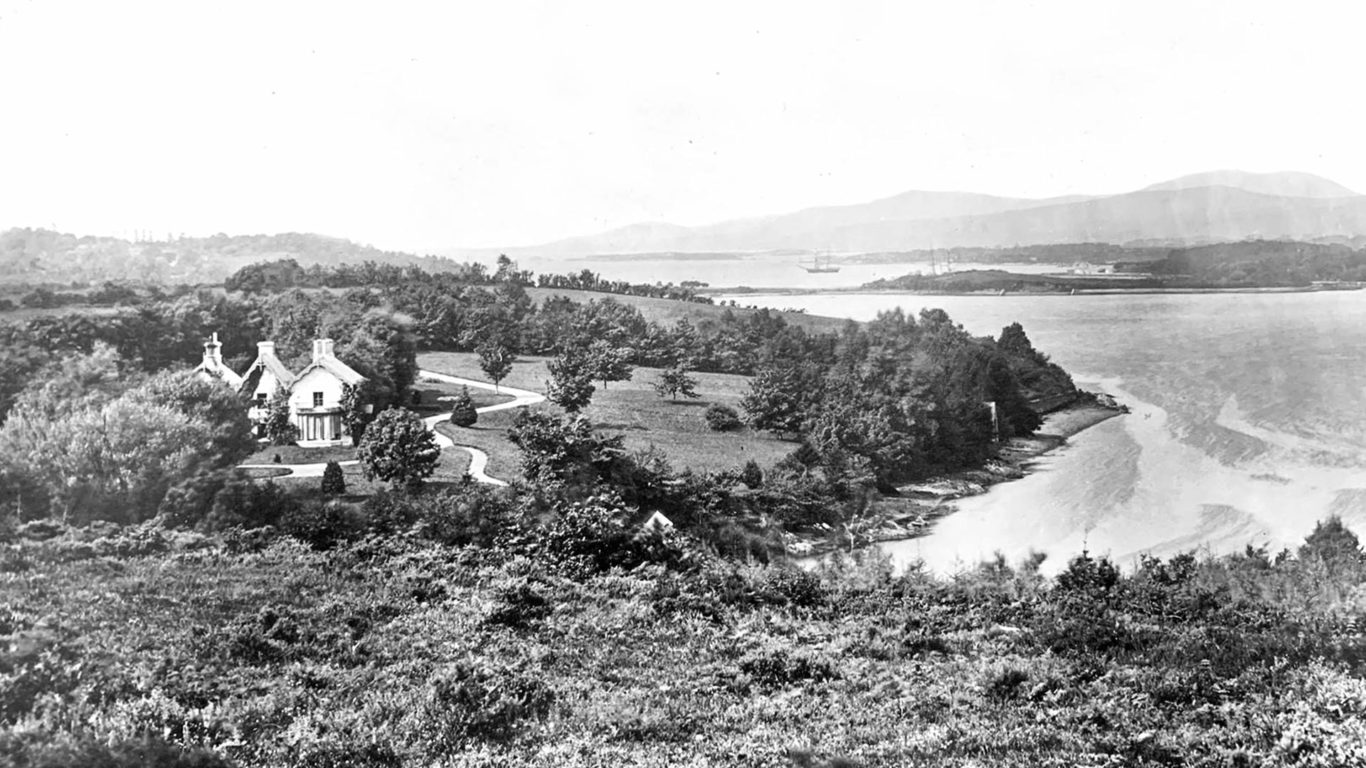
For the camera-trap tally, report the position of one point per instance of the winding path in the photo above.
(479, 460)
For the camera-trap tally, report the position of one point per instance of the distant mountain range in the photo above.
(1220, 206)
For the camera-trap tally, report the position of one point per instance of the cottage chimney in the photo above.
(321, 348)
(213, 352)
(265, 348)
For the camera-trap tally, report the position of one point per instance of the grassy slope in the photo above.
(630, 408)
(668, 312)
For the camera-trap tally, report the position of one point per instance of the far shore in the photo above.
(748, 291)
(913, 512)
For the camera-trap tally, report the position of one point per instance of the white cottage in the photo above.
(264, 376)
(314, 395)
(315, 398)
(212, 367)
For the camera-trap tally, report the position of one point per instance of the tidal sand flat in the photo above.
(1248, 425)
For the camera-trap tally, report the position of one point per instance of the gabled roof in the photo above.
(220, 373)
(268, 361)
(336, 367)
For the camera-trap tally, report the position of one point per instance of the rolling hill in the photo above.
(1219, 206)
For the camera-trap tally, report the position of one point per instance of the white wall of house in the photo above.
(315, 403)
(319, 388)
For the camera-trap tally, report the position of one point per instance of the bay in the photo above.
(1248, 424)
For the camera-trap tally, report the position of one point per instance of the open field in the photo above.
(629, 408)
(24, 314)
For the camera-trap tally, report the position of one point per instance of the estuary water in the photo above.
(1248, 424)
(760, 270)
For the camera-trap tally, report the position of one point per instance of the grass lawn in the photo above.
(294, 454)
(449, 470)
(430, 394)
(629, 408)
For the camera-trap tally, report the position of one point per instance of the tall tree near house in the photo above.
(398, 449)
(495, 360)
(355, 415)
(280, 430)
(675, 381)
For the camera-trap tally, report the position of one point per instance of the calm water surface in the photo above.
(757, 271)
(1248, 423)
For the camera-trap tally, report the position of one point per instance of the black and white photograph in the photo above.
(767, 384)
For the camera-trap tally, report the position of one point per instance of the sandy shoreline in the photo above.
(913, 512)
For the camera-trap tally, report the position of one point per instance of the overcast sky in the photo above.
(428, 125)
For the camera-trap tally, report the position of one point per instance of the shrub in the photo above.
(751, 475)
(722, 418)
(320, 525)
(480, 703)
(778, 668)
(245, 504)
(1006, 685)
(187, 503)
(1089, 577)
(517, 605)
(463, 413)
(594, 536)
(334, 482)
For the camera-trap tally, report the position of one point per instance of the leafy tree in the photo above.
(462, 409)
(685, 344)
(495, 361)
(609, 362)
(571, 383)
(334, 482)
(398, 449)
(280, 429)
(776, 399)
(75, 381)
(19, 365)
(356, 411)
(570, 452)
(722, 418)
(219, 409)
(117, 460)
(675, 381)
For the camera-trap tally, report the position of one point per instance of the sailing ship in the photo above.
(816, 267)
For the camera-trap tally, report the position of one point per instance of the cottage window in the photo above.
(317, 399)
(260, 397)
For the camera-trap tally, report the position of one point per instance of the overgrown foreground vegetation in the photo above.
(440, 631)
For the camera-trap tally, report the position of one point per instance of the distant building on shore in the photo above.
(1087, 268)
